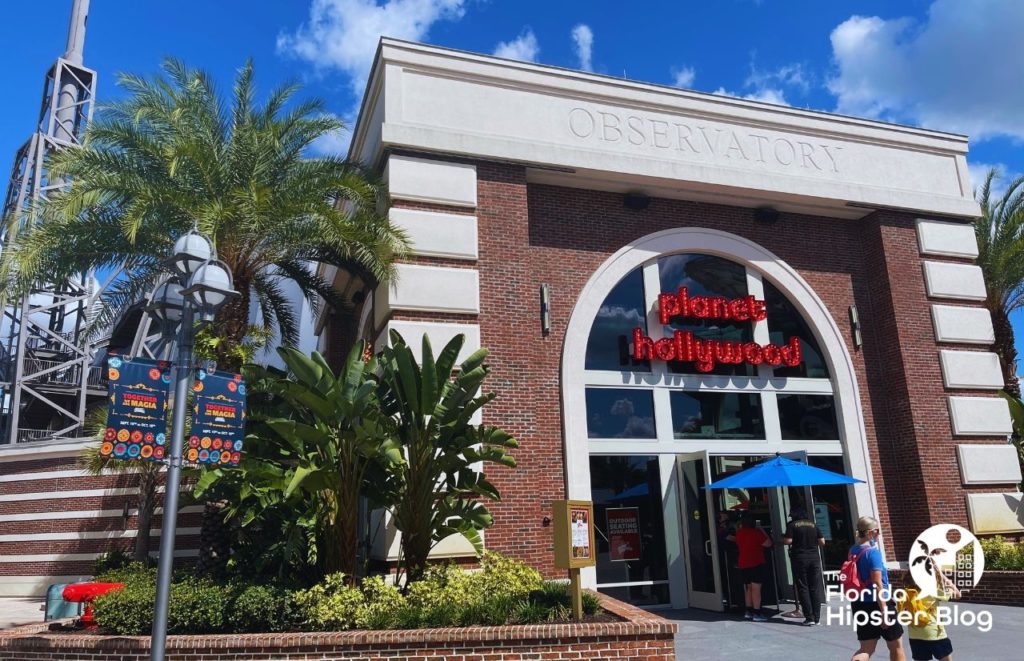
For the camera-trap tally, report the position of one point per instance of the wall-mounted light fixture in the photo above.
(858, 338)
(545, 309)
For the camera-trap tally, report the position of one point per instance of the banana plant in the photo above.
(314, 438)
(437, 489)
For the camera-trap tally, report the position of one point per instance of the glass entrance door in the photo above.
(700, 546)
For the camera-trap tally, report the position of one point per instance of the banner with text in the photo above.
(137, 414)
(218, 419)
(623, 533)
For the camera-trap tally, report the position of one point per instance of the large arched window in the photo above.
(660, 393)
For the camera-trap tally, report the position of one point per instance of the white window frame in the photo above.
(761, 264)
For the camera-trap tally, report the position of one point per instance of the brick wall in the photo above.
(85, 525)
(995, 587)
(640, 636)
(535, 234)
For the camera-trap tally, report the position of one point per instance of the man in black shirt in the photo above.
(803, 538)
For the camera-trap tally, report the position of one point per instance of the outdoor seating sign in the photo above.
(218, 419)
(137, 414)
(623, 533)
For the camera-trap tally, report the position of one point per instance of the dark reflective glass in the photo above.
(808, 417)
(630, 487)
(620, 413)
(784, 322)
(716, 415)
(608, 347)
(707, 275)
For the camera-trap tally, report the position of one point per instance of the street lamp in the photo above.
(200, 286)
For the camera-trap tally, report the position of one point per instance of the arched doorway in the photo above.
(644, 426)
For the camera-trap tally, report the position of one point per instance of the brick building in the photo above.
(832, 310)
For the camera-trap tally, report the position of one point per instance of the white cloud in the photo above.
(583, 39)
(343, 34)
(959, 70)
(788, 75)
(332, 144)
(524, 47)
(683, 77)
(767, 95)
(1002, 180)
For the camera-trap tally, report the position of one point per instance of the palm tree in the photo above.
(173, 156)
(148, 473)
(1000, 233)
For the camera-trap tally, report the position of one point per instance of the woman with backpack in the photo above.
(866, 580)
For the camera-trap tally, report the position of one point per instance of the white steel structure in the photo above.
(46, 372)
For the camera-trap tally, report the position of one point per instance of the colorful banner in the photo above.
(137, 415)
(218, 419)
(623, 533)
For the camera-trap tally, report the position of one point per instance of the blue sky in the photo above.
(946, 64)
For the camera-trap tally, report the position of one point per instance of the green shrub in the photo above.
(503, 591)
(129, 611)
(259, 608)
(383, 602)
(198, 605)
(502, 575)
(131, 572)
(331, 605)
(1002, 554)
(113, 560)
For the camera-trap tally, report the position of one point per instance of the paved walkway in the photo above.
(15, 611)
(704, 635)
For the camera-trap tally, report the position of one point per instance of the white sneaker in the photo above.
(748, 616)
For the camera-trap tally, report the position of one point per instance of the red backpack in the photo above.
(849, 577)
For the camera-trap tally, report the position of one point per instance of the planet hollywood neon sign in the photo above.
(684, 347)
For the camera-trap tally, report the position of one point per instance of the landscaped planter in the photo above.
(639, 636)
(995, 587)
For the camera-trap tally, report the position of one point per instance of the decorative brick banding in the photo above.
(639, 636)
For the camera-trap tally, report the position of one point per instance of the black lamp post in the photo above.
(201, 285)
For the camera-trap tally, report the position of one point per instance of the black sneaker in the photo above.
(810, 623)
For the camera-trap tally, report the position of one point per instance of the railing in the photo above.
(59, 373)
(28, 435)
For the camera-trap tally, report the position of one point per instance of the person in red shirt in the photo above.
(751, 542)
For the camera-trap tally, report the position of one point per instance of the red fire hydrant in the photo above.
(86, 593)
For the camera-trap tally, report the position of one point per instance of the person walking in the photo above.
(751, 542)
(873, 610)
(803, 538)
(928, 637)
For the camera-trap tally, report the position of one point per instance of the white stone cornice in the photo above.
(431, 99)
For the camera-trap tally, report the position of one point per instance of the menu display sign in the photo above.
(580, 517)
(137, 415)
(623, 533)
(218, 419)
(574, 533)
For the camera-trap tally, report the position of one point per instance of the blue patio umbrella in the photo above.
(781, 472)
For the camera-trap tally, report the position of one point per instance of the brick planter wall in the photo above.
(640, 636)
(1004, 588)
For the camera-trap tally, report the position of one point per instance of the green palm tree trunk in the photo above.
(146, 504)
(1006, 349)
